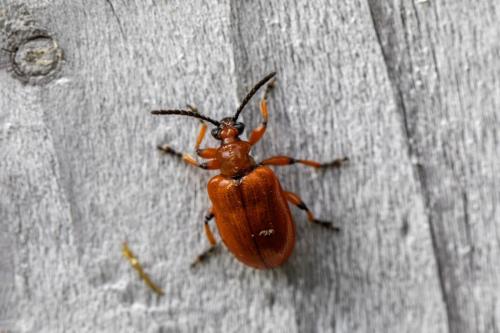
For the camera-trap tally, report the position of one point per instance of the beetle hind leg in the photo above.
(297, 201)
(211, 239)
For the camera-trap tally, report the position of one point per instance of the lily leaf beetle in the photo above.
(249, 205)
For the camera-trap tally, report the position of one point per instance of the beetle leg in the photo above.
(211, 239)
(212, 164)
(297, 201)
(208, 165)
(285, 160)
(206, 152)
(258, 132)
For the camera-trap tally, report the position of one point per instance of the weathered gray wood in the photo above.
(408, 90)
(443, 62)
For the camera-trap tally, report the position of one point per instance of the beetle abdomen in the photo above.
(253, 217)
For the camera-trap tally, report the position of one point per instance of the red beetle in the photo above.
(248, 203)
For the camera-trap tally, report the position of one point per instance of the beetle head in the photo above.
(228, 129)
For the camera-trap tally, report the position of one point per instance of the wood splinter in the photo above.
(130, 256)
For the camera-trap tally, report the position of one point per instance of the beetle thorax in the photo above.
(235, 159)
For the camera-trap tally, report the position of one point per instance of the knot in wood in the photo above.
(36, 56)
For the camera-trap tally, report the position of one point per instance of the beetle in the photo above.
(249, 204)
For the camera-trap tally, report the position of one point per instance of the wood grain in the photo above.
(445, 77)
(408, 90)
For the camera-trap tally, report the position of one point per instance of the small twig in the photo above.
(127, 253)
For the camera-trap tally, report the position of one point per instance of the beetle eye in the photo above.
(215, 133)
(240, 127)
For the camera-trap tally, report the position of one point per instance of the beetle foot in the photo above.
(335, 163)
(270, 86)
(193, 108)
(202, 257)
(166, 149)
(326, 224)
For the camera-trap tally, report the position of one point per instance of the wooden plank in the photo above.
(443, 62)
(80, 172)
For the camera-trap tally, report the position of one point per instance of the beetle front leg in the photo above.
(286, 160)
(258, 133)
(211, 239)
(206, 152)
(297, 201)
(212, 164)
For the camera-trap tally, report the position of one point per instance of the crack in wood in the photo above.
(115, 14)
(417, 169)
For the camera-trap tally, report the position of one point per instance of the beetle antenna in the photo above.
(186, 113)
(251, 93)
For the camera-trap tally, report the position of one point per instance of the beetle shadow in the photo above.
(313, 273)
